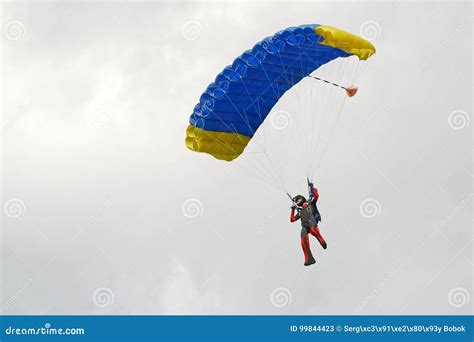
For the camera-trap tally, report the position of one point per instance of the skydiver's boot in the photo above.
(308, 257)
(315, 232)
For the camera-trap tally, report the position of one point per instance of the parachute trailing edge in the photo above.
(221, 145)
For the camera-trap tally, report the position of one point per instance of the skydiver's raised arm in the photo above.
(293, 217)
(313, 193)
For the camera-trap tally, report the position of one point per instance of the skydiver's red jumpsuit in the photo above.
(310, 218)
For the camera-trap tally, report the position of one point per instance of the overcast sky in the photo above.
(105, 211)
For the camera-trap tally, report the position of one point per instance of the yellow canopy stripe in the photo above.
(222, 145)
(345, 41)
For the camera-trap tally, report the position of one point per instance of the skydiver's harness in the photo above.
(309, 214)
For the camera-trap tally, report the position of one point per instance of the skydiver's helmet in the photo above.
(299, 200)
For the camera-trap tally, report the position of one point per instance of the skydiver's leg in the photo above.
(308, 256)
(315, 232)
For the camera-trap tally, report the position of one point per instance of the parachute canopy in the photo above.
(233, 107)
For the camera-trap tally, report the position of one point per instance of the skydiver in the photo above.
(308, 212)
